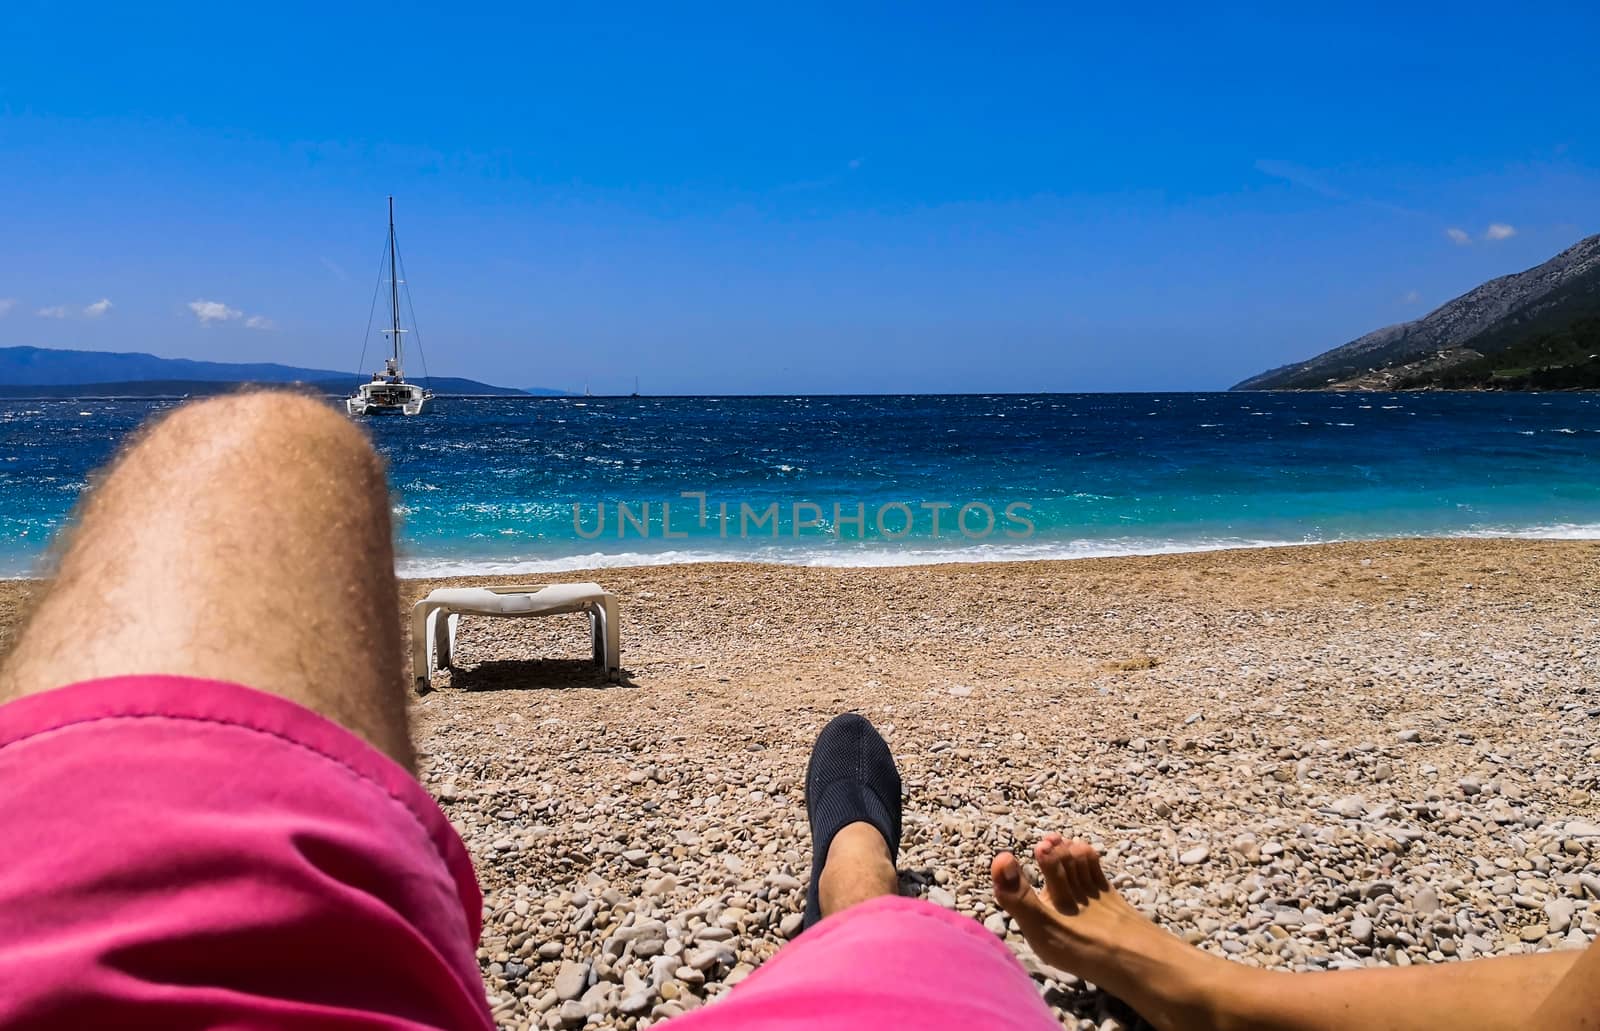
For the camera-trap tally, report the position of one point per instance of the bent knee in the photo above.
(266, 428)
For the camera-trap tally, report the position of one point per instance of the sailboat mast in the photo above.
(394, 291)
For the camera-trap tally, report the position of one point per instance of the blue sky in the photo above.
(749, 198)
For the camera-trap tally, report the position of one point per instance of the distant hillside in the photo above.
(1483, 339)
(46, 372)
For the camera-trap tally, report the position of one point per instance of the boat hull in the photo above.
(415, 404)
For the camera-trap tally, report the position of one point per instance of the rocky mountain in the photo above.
(49, 372)
(1503, 315)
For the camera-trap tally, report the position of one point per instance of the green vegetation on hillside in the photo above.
(1532, 330)
(1563, 359)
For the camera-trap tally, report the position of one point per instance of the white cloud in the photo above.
(6, 304)
(1499, 231)
(1459, 237)
(1411, 297)
(217, 311)
(61, 311)
(213, 311)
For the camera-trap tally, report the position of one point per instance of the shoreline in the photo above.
(912, 558)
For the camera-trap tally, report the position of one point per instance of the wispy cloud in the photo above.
(850, 167)
(6, 304)
(1497, 231)
(1301, 176)
(94, 310)
(336, 268)
(209, 312)
(213, 311)
(1411, 297)
(1319, 183)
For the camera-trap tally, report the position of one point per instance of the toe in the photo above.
(1008, 878)
(1016, 894)
(1006, 871)
(1079, 854)
(1057, 882)
(1094, 875)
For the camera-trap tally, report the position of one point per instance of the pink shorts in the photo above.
(189, 853)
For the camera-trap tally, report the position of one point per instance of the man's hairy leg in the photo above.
(242, 538)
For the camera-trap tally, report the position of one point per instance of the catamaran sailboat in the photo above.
(387, 392)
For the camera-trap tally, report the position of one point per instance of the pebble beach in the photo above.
(1302, 758)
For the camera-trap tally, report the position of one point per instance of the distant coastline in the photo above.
(1430, 388)
(40, 372)
(164, 389)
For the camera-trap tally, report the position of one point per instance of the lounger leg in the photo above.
(441, 640)
(450, 640)
(421, 644)
(613, 637)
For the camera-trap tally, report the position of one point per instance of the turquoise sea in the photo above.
(523, 484)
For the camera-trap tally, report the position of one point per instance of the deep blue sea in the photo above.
(542, 484)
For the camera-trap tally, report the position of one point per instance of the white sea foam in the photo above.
(1552, 532)
(879, 557)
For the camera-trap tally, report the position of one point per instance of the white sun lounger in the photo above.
(434, 620)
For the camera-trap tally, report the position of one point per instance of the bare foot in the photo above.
(1080, 924)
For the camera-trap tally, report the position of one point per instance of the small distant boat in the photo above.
(387, 392)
